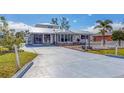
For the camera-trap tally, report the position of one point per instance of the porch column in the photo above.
(43, 38)
(55, 38)
(32, 38)
(68, 38)
(60, 38)
(51, 38)
(64, 38)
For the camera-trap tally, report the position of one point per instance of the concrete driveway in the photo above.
(59, 62)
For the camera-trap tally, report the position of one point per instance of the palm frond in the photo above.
(98, 26)
(99, 21)
(109, 27)
(108, 21)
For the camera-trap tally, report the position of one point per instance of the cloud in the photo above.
(116, 26)
(91, 29)
(74, 21)
(18, 25)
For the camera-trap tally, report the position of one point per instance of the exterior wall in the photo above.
(99, 38)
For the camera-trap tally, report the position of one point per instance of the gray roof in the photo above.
(46, 24)
(50, 31)
(83, 32)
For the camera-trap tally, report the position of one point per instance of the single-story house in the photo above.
(50, 34)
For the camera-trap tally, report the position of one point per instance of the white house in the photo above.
(50, 34)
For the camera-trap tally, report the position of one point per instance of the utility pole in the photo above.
(18, 66)
(116, 49)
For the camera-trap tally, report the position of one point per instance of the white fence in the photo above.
(109, 44)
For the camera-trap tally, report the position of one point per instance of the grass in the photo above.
(8, 63)
(108, 51)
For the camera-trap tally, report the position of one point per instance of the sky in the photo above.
(77, 21)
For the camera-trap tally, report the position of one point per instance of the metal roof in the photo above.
(46, 24)
(50, 31)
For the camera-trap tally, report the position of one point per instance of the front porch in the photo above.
(57, 39)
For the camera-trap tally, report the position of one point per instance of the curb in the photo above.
(23, 70)
(122, 57)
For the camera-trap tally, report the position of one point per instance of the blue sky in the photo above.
(77, 21)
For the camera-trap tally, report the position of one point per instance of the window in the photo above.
(50, 26)
(62, 38)
(71, 38)
(37, 39)
(66, 39)
(82, 36)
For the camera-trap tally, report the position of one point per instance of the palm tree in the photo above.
(104, 26)
(54, 21)
(64, 23)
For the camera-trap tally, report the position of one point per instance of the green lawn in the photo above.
(110, 51)
(7, 63)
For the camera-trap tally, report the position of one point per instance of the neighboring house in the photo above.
(99, 37)
(50, 34)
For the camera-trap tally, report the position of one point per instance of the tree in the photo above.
(9, 38)
(19, 38)
(118, 35)
(64, 23)
(54, 21)
(7, 41)
(4, 27)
